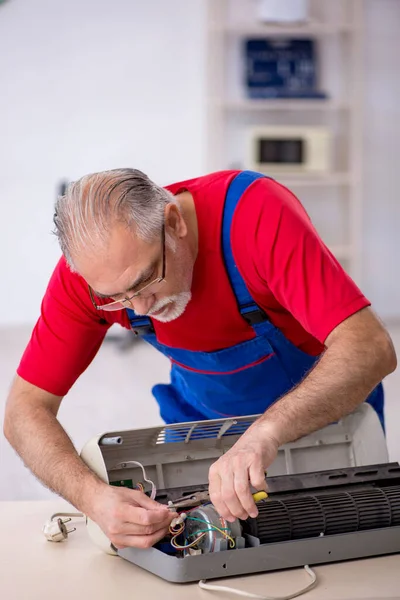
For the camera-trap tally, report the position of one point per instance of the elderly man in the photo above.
(227, 277)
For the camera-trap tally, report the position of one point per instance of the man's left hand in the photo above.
(243, 465)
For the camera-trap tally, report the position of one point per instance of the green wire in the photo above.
(211, 527)
(206, 522)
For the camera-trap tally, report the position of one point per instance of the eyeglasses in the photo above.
(149, 288)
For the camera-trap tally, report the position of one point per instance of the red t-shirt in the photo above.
(289, 271)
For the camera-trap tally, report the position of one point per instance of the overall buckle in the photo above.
(254, 316)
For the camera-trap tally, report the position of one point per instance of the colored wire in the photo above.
(184, 547)
(176, 531)
(212, 526)
(222, 588)
(204, 521)
(138, 464)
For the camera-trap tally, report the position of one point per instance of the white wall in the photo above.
(382, 156)
(85, 86)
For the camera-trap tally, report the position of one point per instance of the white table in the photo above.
(31, 568)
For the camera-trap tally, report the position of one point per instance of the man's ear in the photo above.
(174, 221)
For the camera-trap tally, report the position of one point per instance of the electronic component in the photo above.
(219, 534)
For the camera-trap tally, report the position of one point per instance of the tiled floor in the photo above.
(115, 393)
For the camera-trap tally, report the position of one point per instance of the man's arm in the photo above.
(359, 354)
(32, 428)
(128, 517)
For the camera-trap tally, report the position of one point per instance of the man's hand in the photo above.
(244, 464)
(359, 354)
(129, 517)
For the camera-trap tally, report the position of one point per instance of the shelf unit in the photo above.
(333, 200)
(275, 105)
(311, 29)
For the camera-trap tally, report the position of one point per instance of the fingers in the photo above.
(139, 509)
(257, 476)
(144, 516)
(244, 495)
(230, 485)
(130, 518)
(138, 527)
(141, 521)
(126, 518)
(141, 499)
(244, 476)
(138, 541)
(214, 488)
(230, 491)
(230, 494)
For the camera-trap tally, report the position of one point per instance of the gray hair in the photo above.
(90, 206)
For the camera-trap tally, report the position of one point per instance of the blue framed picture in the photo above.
(282, 68)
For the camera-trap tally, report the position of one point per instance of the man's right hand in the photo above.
(129, 517)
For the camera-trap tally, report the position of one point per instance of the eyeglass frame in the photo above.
(136, 294)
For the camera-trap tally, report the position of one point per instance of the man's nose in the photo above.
(142, 305)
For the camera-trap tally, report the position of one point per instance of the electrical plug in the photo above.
(56, 531)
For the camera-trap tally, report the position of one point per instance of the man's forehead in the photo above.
(124, 264)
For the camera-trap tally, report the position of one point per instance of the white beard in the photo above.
(175, 306)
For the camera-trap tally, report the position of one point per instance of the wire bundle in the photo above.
(177, 527)
(212, 527)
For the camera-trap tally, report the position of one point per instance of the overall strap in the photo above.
(140, 325)
(249, 310)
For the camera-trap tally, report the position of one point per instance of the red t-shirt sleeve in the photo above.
(67, 335)
(281, 253)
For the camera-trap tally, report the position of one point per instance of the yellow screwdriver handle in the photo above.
(259, 496)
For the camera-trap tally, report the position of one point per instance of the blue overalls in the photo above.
(241, 380)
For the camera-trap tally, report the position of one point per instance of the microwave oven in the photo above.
(297, 149)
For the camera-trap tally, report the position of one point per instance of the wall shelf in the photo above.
(344, 252)
(278, 105)
(333, 179)
(306, 30)
(336, 195)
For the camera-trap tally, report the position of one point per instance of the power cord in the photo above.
(222, 588)
(55, 530)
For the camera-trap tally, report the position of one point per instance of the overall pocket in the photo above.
(241, 380)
